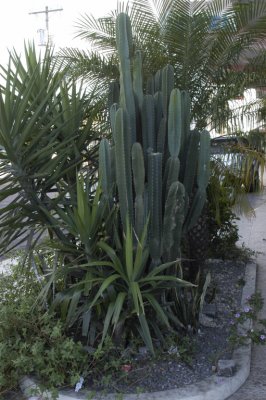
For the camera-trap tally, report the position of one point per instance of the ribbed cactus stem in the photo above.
(150, 85)
(148, 124)
(158, 81)
(158, 102)
(191, 161)
(155, 205)
(161, 136)
(202, 178)
(171, 173)
(174, 123)
(105, 170)
(138, 179)
(114, 94)
(123, 167)
(186, 105)
(113, 110)
(173, 222)
(195, 209)
(152, 138)
(137, 78)
(124, 48)
(204, 160)
(167, 86)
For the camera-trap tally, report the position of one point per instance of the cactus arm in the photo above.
(123, 167)
(114, 94)
(173, 222)
(185, 110)
(174, 123)
(158, 81)
(113, 110)
(150, 85)
(203, 172)
(105, 170)
(148, 122)
(190, 169)
(124, 48)
(195, 209)
(161, 137)
(138, 179)
(185, 116)
(137, 78)
(171, 173)
(167, 86)
(158, 102)
(155, 205)
(204, 161)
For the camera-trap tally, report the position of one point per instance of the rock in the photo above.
(210, 310)
(204, 320)
(143, 350)
(90, 349)
(173, 350)
(226, 368)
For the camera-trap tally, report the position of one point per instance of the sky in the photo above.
(17, 25)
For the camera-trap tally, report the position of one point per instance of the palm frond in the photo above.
(99, 32)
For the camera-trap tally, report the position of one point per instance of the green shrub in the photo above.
(32, 341)
(223, 229)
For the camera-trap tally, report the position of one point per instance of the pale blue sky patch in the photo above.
(17, 25)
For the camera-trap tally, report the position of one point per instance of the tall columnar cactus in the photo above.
(139, 185)
(155, 205)
(124, 47)
(123, 170)
(161, 166)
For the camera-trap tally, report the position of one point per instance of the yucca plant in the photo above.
(48, 131)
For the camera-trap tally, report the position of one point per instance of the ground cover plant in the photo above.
(32, 340)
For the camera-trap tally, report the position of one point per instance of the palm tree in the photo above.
(217, 48)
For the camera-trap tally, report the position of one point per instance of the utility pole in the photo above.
(46, 12)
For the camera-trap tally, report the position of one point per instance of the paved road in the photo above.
(253, 232)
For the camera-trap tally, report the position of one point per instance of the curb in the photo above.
(211, 388)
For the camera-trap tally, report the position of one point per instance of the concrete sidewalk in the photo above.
(253, 235)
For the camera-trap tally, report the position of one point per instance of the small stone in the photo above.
(143, 350)
(90, 349)
(207, 321)
(226, 368)
(210, 310)
(173, 350)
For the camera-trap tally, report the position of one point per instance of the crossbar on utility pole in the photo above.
(46, 12)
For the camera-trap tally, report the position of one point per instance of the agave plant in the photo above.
(119, 296)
